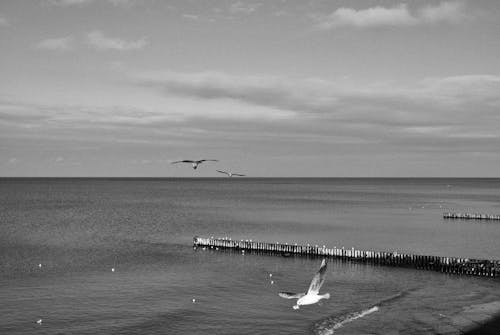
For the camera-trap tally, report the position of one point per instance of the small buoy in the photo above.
(112, 269)
(194, 300)
(40, 265)
(270, 275)
(39, 321)
(272, 282)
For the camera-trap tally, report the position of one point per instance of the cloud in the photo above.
(95, 39)
(191, 17)
(446, 114)
(81, 3)
(125, 3)
(450, 12)
(3, 21)
(99, 41)
(432, 108)
(444, 12)
(68, 2)
(56, 44)
(243, 7)
(376, 16)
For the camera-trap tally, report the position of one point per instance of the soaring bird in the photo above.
(312, 296)
(230, 174)
(195, 163)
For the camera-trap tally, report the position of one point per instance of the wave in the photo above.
(329, 325)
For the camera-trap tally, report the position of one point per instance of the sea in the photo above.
(116, 256)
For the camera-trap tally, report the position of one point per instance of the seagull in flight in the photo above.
(195, 163)
(230, 174)
(312, 296)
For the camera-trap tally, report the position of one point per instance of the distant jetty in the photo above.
(451, 265)
(470, 216)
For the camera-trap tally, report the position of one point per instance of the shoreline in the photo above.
(490, 327)
(481, 319)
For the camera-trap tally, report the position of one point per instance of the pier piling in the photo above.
(450, 265)
(470, 216)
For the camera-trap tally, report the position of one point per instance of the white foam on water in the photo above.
(356, 316)
(329, 330)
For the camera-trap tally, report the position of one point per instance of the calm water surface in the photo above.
(79, 229)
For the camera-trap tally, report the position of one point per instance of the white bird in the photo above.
(230, 174)
(312, 296)
(39, 321)
(195, 163)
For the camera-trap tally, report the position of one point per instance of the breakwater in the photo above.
(451, 265)
(470, 216)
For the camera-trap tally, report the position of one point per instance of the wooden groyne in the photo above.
(451, 265)
(470, 216)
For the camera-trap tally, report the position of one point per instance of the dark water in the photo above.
(79, 229)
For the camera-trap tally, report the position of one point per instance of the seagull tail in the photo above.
(326, 296)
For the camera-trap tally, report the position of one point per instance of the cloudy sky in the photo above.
(270, 88)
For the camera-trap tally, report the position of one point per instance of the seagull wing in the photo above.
(238, 174)
(207, 160)
(290, 295)
(183, 161)
(222, 172)
(318, 279)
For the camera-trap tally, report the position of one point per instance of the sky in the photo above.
(274, 88)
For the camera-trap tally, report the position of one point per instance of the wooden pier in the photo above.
(470, 216)
(451, 265)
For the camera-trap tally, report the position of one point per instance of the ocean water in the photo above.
(80, 229)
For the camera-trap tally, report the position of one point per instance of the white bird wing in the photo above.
(207, 160)
(290, 295)
(222, 172)
(238, 174)
(318, 279)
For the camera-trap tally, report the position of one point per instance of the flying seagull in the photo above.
(312, 296)
(230, 174)
(195, 163)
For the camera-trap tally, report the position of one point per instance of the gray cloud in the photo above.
(191, 17)
(80, 3)
(56, 44)
(99, 41)
(449, 11)
(3, 21)
(437, 107)
(68, 2)
(436, 114)
(247, 7)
